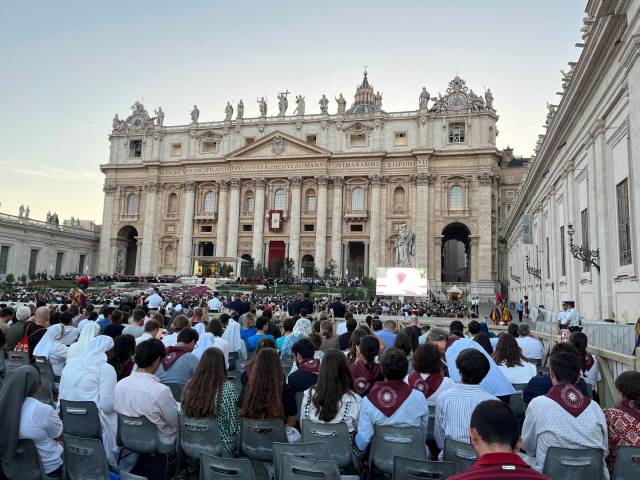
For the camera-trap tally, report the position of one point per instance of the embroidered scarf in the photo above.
(173, 354)
(363, 378)
(312, 366)
(389, 396)
(569, 398)
(630, 408)
(429, 385)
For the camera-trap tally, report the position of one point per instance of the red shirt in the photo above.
(499, 465)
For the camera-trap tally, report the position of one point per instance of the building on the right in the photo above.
(573, 232)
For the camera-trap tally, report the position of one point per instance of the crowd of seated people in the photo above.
(136, 361)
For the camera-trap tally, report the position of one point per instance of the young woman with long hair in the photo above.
(210, 394)
(358, 333)
(508, 356)
(588, 362)
(329, 340)
(427, 376)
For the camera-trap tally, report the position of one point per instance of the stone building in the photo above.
(319, 189)
(580, 193)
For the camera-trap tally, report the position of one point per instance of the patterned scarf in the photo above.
(630, 408)
(311, 366)
(363, 378)
(429, 385)
(389, 396)
(569, 398)
(173, 354)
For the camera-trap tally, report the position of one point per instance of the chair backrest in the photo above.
(258, 436)
(16, 359)
(299, 399)
(2, 365)
(80, 419)
(627, 465)
(200, 435)
(297, 468)
(26, 464)
(176, 390)
(233, 357)
(462, 454)
(218, 468)
(130, 476)
(85, 458)
(315, 451)
(334, 435)
(396, 441)
(411, 469)
(48, 380)
(137, 434)
(432, 423)
(570, 464)
(518, 407)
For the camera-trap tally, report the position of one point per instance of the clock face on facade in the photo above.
(457, 101)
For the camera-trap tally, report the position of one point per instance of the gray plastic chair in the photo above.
(85, 458)
(233, 357)
(15, 360)
(297, 468)
(139, 435)
(410, 469)
(573, 464)
(176, 390)
(200, 435)
(219, 468)
(336, 438)
(627, 465)
(389, 442)
(462, 454)
(314, 451)
(258, 436)
(516, 402)
(46, 395)
(432, 423)
(80, 419)
(299, 399)
(26, 464)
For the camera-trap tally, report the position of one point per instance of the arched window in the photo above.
(209, 203)
(357, 199)
(310, 201)
(132, 204)
(172, 203)
(279, 199)
(249, 202)
(456, 198)
(398, 198)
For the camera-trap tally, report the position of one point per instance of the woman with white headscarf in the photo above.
(89, 332)
(89, 377)
(302, 329)
(51, 347)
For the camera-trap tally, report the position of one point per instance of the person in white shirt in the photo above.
(198, 322)
(52, 348)
(232, 335)
(589, 368)
(24, 417)
(511, 362)
(532, 348)
(91, 330)
(179, 323)
(151, 330)
(154, 301)
(213, 338)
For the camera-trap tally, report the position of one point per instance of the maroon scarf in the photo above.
(389, 396)
(428, 386)
(569, 398)
(311, 366)
(173, 354)
(630, 408)
(363, 378)
(589, 363)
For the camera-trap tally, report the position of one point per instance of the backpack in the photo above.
(23, 344)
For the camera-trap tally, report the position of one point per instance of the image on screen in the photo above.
(402, 281)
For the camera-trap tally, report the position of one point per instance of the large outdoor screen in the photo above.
(401, 281)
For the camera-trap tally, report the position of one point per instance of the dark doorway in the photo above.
(127, 253)
(276, 256)
(245, 266)
(308, 264)
(356, 260)
(456, 254)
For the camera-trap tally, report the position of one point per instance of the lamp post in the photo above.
(533, 271)
(582, 252)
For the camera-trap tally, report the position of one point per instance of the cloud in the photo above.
(54, 173)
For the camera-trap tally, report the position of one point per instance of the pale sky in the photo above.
(69, 66)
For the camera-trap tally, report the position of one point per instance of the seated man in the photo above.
(532, 348)
(307, 373)
(564, 417)
(179, 364)
(261, 325)
(454, 408)
(409, 410)
(151, 330)
(136, 327)
(495, 438)
(142, 394)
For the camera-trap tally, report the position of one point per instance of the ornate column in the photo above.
(482, 203)
(186, 262)
(422, 219)
(374, 224)
(107, 226)
(258, 222)
(148, 230)
(321, 225)
(294, 223)
(336, 225)
(221, 230)
(234, 218)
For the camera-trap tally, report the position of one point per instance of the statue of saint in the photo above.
(120, 261)
(195, 114)
(405, 246)
(488, 99)
(299, 105)
(377, 101)
(240, 110)
(438, 104)
(342, 104)
(55, 219)
(283, 103)
(262, 104)
(116, 123)
(324, 104)
(27, 212)
(49, 216)
(159, 117)
(228, 111)
(21, 211)
(73, 221)
(423, 101)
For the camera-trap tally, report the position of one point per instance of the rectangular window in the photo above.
(4, 258)
(59, 259)
(33, 261)
(249, 205)
(247, 228)
(206, 228)
(135, 148)
(400, 139)
(548, 263)
(456, 132)
(176, 149)
(312, 139)
(624, 229)
(81, 262)
(209, 147)
(358, 140)
(584, 224)
(249, 140)
(508, 178)
(356, 227)
(563, 263)
(308, 227)
(510, 194)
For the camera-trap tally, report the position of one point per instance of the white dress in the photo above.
(519, 374)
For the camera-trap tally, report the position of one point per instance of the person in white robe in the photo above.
(51, 347)
(89, 332)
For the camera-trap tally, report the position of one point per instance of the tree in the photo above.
(276, 266)
(10, 278)
(330, 269)
(33, 276)
(22, 278)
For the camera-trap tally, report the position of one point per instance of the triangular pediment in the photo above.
(278, 145)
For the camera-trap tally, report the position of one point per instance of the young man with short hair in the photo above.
(136, 328)
(151, 330)
(180, 363)
(254, 340)
(308, 367)
(345, 338)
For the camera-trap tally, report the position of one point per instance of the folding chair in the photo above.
(410, 469)
(26, 464)
(49, 389)
(461, 454)
(199, 435)
(395, 441)
(16, 359)
(314, 451)
(219, 468)
(336, 438)
(85, 458)
(627, 466)
(176, 390)
(518, 407)
(80, 419)
(573, 464)
(297, 468)
(258, 436)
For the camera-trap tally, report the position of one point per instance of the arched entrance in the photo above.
(127, 251)
(308, 265)
(456, 254)
(246, 265)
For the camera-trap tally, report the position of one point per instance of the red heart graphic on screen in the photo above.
(401, 276)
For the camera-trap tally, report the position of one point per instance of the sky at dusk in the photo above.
(69, 66)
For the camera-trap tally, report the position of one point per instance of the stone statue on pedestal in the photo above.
(27, 212)
(262, 105)
(228, 111)
(283, 103)
(240, 110)
(195, 114)
(405, 246)
(120, 261)
(300, 105)
(342, 104)
(49, 216)
(423, 101)
(159, 117)
(324, 104)
(21, 211)
(488, 99)
(377, 102)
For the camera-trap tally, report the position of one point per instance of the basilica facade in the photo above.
(326, 192)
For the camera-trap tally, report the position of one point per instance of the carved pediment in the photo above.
(358, 127)
(208, 135)
(279, 145)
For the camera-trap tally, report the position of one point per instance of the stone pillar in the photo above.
(366, 259)
(105, 234)
(258, 222)
(374, 224)
(422, 219)
(234, 218)
(221, 230)
(336, 225)
(148, 232)
(186, 262)
(483, 206)
(321, 226)
(345, 257)
(294, 223)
